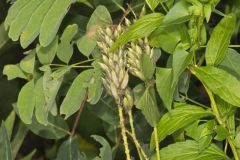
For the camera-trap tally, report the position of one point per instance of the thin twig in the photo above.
(78, 115)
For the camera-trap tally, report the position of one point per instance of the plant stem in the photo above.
(82, 66)
(193, 101)
(221, 122)
(231, 46)
(123, 131)
(138, 146)
(156, 143)
(81, 62)
(78, 115)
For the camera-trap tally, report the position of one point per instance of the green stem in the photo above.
(221, 122)
(156, 143)
(123, 131)
(85, 61)
(193, 101)
(133, 134)
(82, 66)
(230, 46)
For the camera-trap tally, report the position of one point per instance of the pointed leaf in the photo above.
(178, 118)
(5, 147)
(141, 28)
(106, 150)
(152, 4)
(219, 41)
(148, 105)
(220, 82)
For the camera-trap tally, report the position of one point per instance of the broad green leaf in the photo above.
(219, 41)
(86, 44)
(166, 38)
(68, 150)
(13, 11)
(76, 94)
(106, 150)
(164, 78)
(26, 102)
(147, 103)
(65, 48)
(178, 118)
(152, 4)
(4, 37)
(47, 54)
(179, 13)
(95, 88)
(147, 66)
(10, 123)
(32, 29)
(220, 83)
(180, 61)
(13, 71)
(52, 21)
(5, 147)
(27, 64)
(189, 150)
(141, 28)
(100, 17)
(231, 62)
(56, 128)
(18, 139)
(41, 112)
(22, 18)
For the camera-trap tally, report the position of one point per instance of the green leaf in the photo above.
(190, 149)
(32, 29)
(181, 59)
(222, 133)
(220, 83)
(27, 64)
(18, 139)
(231, 62)
(147, 103)
(86, 44)
(4, 37)
(178, 118)
(47, 54)
(14, 11)
(56, 128)
(207, 11)
(52, 21)
(166, 38)
(164, 78)
(5, 147)
(68, 150)
(100, 18)
(65, 48)
(141, 28)
(219, 41)
(95, 88)
(26, 102)
(106, 150)
(179, 13)
(21, 20)
(13, 71)
(76, 94)
(152, 4)
(10, 123)
(147, 66)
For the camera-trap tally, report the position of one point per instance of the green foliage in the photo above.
(148, 79)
